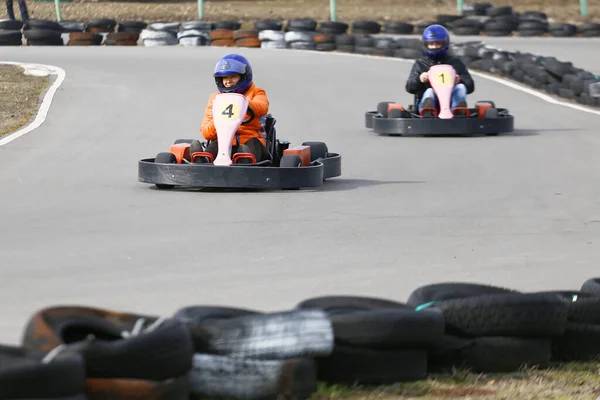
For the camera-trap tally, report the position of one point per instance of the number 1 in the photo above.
(442, 75)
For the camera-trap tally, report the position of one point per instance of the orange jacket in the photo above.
(257, 100)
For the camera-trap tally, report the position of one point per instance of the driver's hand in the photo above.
(424, 77)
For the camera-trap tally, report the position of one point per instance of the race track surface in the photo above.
(518, 210)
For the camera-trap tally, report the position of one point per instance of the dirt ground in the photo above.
(19, 97)
(573, 381)
(249, 10)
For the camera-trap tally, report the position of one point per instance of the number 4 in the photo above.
(228, 111)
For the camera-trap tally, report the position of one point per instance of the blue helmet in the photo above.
(233, 64)
(436, 33)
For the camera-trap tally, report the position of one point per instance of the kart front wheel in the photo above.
(317, 150)
(290, 161)
(165, 158)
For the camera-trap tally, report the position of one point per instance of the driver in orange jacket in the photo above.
(233, 74)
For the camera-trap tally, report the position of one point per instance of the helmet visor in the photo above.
(435, 44)
(229, 67)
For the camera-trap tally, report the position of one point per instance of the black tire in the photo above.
(491, 113)
(396, 113)
(580, 342)
(343, 304)
(382, 107)
(512, 314)
(165, 158)
(157, 355)
(389, 328)
(183, 141)
(10, 24)
(41, 34)
(583, 307)
(452, 290)
(505, 354)
(290, 161)
(592, 286)
(24, 376)
(370, 322)
(317, 150)
(487, 101)
(350, 365)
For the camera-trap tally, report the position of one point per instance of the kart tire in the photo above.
(317, 150)
(165, 158)
(396, 113)
(183, 141)
(491, 113)
(382, 108)
(290, 161)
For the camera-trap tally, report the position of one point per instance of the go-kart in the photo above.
(484, 119)
(305, 165)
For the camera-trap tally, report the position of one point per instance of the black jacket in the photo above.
(416, 87)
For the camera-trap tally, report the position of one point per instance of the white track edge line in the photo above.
(44, 107)
(512, 85)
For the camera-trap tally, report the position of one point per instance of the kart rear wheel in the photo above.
(290, 161)
(491, 113)
(183, 141)
(165, 158)
(317, 150)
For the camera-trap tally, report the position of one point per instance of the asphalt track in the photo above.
(518, 210)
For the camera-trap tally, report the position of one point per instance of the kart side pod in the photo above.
(301, 151)
(181, 151)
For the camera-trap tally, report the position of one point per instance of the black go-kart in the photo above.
(305, 165)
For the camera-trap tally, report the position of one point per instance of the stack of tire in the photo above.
(195, 33)
(10, 33)
(543, 73)
(484, 18)
(40, 32)
(84, 39)
(222, 34)
(205, 351)
(234, 38)
(160, 34)
(73, 26)
(127, 34)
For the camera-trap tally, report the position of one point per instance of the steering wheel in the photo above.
(251, 117)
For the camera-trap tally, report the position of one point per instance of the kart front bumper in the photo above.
(240, 176)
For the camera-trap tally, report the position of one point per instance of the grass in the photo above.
(19, 97)
(250, 10)
(571, 381)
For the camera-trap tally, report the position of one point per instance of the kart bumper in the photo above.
(240, 176)
(436, 126)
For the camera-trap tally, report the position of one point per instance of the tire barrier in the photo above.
(476, 19)
(555, 77)
(82, 352)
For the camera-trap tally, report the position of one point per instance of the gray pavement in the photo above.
(519, 210)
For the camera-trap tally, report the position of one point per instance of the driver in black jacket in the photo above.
(436, 42)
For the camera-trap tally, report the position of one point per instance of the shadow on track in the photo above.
(331, 185)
